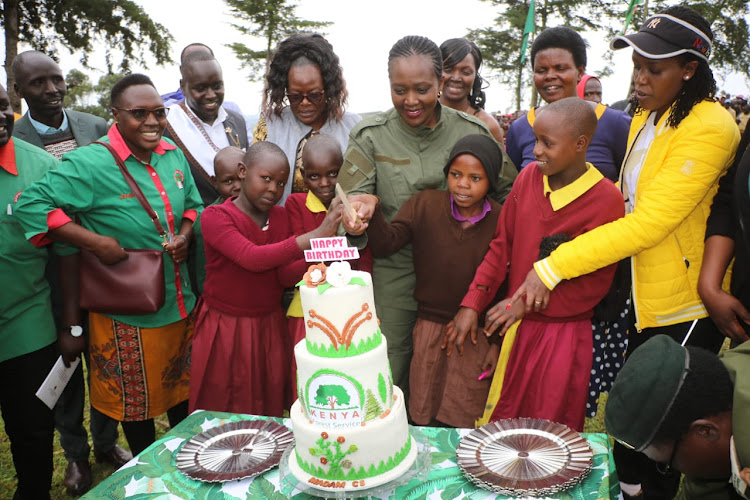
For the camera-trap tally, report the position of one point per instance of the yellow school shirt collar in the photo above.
(568, 194)
(314, 204)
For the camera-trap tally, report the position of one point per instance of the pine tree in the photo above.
(270, 20)
(372, 408)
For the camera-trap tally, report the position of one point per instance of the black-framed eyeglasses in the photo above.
(312, 98)
(141, 114)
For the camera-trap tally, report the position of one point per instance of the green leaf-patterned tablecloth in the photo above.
(153, 474)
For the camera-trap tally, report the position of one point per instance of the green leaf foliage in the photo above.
(47, 25)
(269, 20)
(501, 43)
(262, 489)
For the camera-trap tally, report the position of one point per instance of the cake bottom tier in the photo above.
(353, 457)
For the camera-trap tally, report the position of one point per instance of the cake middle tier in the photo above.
(344, 391)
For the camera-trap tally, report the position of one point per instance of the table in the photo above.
(153, 475)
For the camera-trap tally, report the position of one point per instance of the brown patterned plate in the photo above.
(236, 450)
(524, 457)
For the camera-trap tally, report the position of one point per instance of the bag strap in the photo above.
(135, 188)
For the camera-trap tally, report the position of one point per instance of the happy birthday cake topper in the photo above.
(327, 249)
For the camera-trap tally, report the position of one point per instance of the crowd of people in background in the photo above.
(523, 264)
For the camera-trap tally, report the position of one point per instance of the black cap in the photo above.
(663, 36)
(645, 390)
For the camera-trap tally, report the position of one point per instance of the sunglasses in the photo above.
(141, 114)
(312, 98)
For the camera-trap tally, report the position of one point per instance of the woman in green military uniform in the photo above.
(396, 154)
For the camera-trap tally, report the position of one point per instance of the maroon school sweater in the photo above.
(247, 268)
(528, 217)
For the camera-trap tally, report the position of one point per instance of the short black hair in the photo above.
(194, 44)
(414, 45)
(196, 57)
(125, 82)
(258, 150)
(454, 51)
(561, 37)
(707, 391)
(324, 143)
(579, 113)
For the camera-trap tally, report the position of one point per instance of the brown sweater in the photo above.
(446, 256)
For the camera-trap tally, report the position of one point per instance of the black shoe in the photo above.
(77, 478)
(116, 457)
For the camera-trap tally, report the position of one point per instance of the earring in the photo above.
(686, 77)
(439, 94)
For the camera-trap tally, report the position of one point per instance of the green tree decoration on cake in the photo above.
(332, 395)
(381, 388)
(372, 408)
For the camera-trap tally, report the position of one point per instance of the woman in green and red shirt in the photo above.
(139, 364)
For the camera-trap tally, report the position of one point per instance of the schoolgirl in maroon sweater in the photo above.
(240, 357)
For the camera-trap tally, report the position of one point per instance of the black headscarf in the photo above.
(483, 148)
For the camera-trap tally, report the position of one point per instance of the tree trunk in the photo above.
(10, 12)
(519, 80)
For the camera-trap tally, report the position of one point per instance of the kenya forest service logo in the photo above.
(332, 396)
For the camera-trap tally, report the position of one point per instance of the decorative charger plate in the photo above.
(524, 457)
(234, 451)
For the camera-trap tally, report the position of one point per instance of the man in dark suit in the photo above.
(47, 125)
(201, 126)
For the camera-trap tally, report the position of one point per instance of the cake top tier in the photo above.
(339, 311)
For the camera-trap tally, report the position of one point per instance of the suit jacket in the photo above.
(86, 128)
(235, 122)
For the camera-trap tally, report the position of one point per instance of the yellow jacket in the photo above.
(664, 233)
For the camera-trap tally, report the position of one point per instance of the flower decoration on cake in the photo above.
(315, 275)
(331, 452)
(339, 274)
(322, 277)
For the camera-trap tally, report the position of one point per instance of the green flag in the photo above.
(629, 16)
(527, 29)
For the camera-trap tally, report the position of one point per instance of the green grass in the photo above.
(99, 472)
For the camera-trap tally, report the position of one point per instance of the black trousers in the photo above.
(634, 467)
(140, 434)
(28, 422)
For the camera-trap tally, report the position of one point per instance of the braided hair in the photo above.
(702, 86)
(307, 48)
(414, 45)
(454, 51)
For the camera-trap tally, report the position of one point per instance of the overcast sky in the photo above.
(362, 33)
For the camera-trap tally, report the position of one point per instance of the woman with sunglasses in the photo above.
(139, 364)
(305, 94)
(681, 142)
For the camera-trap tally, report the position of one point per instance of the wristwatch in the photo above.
(76, 330)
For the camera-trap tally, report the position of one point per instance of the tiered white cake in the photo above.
(349, 422)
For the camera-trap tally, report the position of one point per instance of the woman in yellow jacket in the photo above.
(681, 142)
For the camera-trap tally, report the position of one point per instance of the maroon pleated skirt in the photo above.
(548, 373)
(240, 364)
(296, 333)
